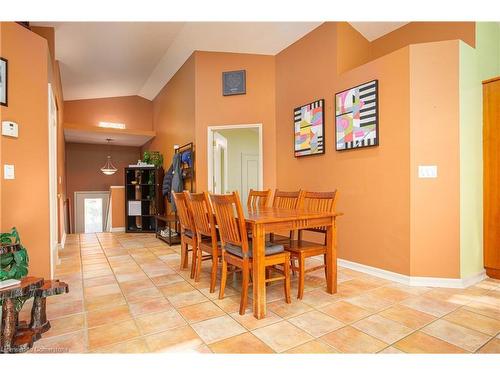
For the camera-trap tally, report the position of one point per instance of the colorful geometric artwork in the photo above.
(309, 129)
(356, 117)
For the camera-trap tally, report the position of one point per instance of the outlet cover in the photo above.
(8, 172)
(427, 171)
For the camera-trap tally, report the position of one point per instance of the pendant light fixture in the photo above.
(109, 168)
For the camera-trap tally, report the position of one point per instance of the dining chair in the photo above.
(301, 249)
(206, 232)
(188, 231)
(258, 198)
(285, 199)
(237, 249)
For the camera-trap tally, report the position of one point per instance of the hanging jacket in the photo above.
(167, 183)
(173, 180)
(177, 181)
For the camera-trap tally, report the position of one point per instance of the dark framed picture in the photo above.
(3, 81)
(234, 83)
(309, 123)
(356, 117)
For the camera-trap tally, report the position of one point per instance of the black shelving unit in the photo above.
(143, 191)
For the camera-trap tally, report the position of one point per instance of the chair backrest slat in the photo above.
(202, 213)
(258, 198)
(185, 218)
(287, 199)
(230, 219)
(321, 202)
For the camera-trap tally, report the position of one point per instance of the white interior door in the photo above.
(249, 174)
(91, 211)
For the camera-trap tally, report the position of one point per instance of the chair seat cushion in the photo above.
(271, 249)
(188, 233)
(208, 240)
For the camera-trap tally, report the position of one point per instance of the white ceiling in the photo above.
(266, 38)
(107, 59)
(99, 137)
(374, 30)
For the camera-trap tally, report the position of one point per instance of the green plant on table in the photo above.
(13, 265)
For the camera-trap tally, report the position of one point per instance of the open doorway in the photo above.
(235, 160)
(91, 211)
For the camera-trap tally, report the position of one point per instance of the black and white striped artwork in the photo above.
(356, 117)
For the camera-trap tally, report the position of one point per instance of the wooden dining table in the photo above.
(267, 220)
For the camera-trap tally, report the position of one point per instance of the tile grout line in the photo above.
(313, 308)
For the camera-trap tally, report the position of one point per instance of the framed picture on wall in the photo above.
(3, 81)
(234, 83)
(309, 126)
(356, 117)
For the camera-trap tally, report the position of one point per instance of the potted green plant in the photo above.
(153, 157)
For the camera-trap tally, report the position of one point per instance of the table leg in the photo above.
(9, 323)
(39, 320)
(331, 259)
(259, 272)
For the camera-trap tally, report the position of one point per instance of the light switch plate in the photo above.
(8, 172)
(10, 129)
(427, 171)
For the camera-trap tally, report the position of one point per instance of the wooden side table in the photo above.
(18, 337)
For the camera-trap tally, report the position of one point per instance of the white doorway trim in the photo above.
(53, 226)
(220, 143)
(210, 140)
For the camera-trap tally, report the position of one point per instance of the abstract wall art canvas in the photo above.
(310, 129)
(356, 117)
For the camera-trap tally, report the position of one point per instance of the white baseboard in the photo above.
(414, 280)
(117, 229)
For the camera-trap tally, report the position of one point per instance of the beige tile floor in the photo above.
(127, 295)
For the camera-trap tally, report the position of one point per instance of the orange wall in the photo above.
(354, 50)
(1, 118)
(352, 47)
(25, 200)
(434, 116)
(256, 106)
(174, 113)
(373, 183)
(193, 100)
(393, 220)
(117, 207)
(83, 167)
(423, 32)
(134, 111)
(48, 34)
(55, 79)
